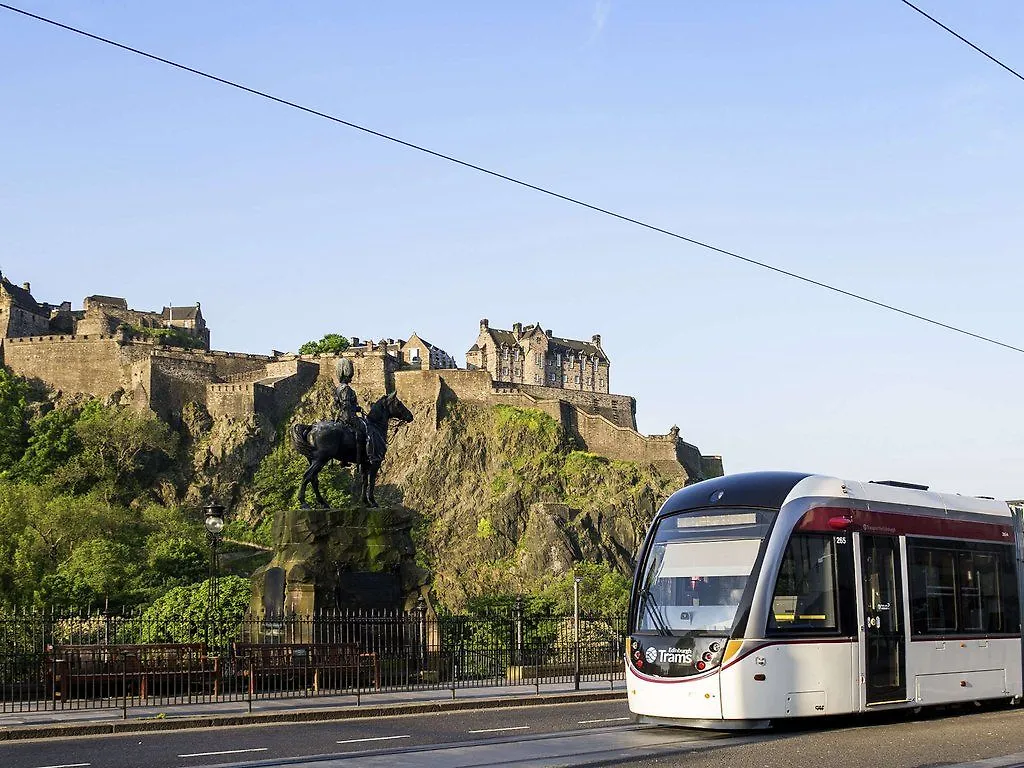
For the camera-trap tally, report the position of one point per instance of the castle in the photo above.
(531, 355)
(109, 351)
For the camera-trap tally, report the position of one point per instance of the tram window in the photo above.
(962, 589)
(805, 591)
(933, 590)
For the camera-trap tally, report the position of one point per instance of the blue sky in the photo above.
(853, 142)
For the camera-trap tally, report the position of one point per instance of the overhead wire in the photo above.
(511, 179)
(963, 39)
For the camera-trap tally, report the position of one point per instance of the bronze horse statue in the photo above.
(322, 442)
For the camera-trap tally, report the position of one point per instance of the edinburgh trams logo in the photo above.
(651, 655)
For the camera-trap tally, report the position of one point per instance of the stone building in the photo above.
(105, 314)
(417, 352)
(20, 314)
(533, 356)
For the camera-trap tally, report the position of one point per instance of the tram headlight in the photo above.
(707, 656)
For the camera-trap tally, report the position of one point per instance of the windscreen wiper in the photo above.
(650, 604)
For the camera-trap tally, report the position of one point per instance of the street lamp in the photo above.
(576, 630)
(214, 524)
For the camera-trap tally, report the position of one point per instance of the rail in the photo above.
(60, 661)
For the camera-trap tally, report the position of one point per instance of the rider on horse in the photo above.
(371, 439)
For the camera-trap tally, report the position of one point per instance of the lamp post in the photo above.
(576, 630)
(214, 524)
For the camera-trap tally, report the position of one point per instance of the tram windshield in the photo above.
(697, 568)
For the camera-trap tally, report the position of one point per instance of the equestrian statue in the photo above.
(351, 438)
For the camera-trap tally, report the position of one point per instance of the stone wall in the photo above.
(95, 365)
(225, 364)
(288, 380)
(618, 409)
(176, 380)
(274, 395)
(233, 401)
(17, 322)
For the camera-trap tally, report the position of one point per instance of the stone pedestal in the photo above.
(339, 559)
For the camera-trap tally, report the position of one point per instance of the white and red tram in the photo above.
(769, 595)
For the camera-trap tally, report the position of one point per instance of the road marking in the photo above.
(374, 738)
(602, 720)
(66, 765)
(225, 752)
(495, 730)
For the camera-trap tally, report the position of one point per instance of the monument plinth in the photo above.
(337, 560)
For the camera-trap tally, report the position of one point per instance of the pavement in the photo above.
(61, 723)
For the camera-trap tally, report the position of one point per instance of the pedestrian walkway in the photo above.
(76, 722)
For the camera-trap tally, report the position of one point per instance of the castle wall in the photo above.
(422, 386)
(176, 380)
(16, 322)
(234, 401)
(618, 409)
(95, 365)
(291, 379)
(232, 363)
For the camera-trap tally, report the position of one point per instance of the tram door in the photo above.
(884, 637)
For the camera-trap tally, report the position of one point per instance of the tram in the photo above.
(771, 595)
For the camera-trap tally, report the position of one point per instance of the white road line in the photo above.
(495, 730)
(225, 752)
(602, 720)
(66, 765)
(374, 738)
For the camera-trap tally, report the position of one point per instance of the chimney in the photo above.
(27, 287)
(517, 329)
(483, 324)
(596, 338)
(548, 332)
(355, 341)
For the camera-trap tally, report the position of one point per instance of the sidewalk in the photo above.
(85, 722)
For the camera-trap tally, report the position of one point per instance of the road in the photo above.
(568, 734)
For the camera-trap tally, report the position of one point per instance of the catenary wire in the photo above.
(963, 39)
(514, 180)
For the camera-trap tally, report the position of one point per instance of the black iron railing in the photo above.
(59, 660)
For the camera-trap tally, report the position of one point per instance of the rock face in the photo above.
(507, 503)
(338, 559)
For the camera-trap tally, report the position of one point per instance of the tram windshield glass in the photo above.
(697, 568)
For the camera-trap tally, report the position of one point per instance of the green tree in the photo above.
(97, 572)
(176, 551)
(60, 548)
(122, 453)
(52, 442)
(182, 614)
(602, 591)
(330, 344)
(13, 429)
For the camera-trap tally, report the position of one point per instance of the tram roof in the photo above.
(773, 489)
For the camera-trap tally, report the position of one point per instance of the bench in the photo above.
(145, 669)
(316, 665)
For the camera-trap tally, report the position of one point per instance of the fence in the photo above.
(54, 661)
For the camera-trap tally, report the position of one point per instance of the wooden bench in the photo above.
(143, 669)
(305, 664)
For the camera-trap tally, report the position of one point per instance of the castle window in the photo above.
(577, 379)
